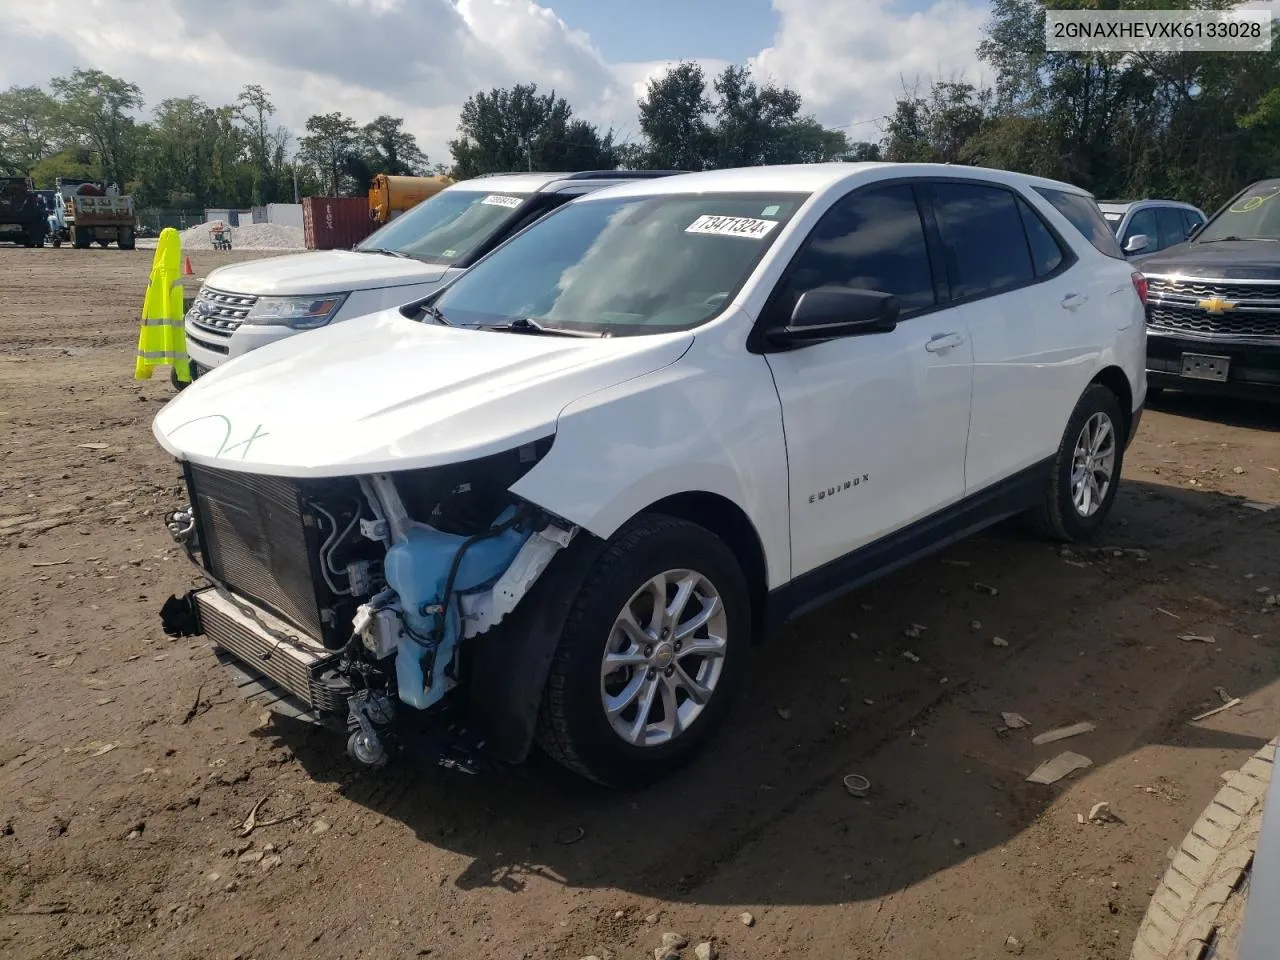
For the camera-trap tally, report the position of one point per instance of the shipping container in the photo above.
(335, 223)
(286, 214)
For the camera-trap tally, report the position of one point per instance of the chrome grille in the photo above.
(218, 312)
(1174, 305)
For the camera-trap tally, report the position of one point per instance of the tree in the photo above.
(745, 125)
(28, 121)
(519, 129)
(95, 107)
(330, 141)
(673, 119)
(389, 148)
(266, 143)
(938, 128)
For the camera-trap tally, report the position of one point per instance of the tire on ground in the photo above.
(1199, 904)
(1057, 517)
(572, 727)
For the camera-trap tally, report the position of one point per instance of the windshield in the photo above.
(446, 227)
(624, 266)
(1253, 215)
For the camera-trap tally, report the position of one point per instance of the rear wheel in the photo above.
(651, 654)
(124, 239)
(1086, 469)
(80, 240)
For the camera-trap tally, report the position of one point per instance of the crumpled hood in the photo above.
(383, 392)
(321, 271)
(1221, 259)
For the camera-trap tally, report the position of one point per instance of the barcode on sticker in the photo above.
(498, 200)
(732, 226)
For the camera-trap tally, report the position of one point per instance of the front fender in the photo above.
(709, 423)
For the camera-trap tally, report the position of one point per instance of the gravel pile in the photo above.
(250, 236)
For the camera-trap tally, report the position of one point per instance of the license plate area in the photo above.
(1199, 366)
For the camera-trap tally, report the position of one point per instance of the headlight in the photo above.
(300, 313)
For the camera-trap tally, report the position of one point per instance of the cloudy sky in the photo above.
(421, 59)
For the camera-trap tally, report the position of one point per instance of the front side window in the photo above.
(1143, 222)
(1191, 220)
(622, 266)
(872, 240)
(1254, 214)
(448, 226)
(1083, 214)
(985, 241)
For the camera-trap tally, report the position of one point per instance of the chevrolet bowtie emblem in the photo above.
(1217, 305)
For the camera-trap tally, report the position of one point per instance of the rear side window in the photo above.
(1085, 216)
(1172, 228)
(1046, 253)
(872, 239)
(986, 244)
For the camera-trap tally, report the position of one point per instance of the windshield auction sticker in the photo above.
(732, 226)
(498, 200)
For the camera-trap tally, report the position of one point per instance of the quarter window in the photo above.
(872, 239)
(1085, 216)
(982, 231)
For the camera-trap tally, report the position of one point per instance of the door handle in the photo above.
(940, 342)
(1073, 301)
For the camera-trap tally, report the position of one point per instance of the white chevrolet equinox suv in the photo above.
(559, 501)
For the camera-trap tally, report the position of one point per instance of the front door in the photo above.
(876, 425)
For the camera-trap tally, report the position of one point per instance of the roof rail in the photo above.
(620, 174)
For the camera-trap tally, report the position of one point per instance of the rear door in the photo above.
(1173, 229)
(1013, 281)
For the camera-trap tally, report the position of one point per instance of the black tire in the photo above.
(124, 239)
(1057, 516)
(80, 241)
(173, 379)
(57, 242)
(103, 243)
(572, 726)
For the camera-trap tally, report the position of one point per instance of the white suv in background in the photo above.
(242, 306)
(1144, 227)
(562, 498)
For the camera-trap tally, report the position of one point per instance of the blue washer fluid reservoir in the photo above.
(417, 569)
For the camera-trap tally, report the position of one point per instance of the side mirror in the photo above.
(828, 313)
(1194, 230)
(1137, 243)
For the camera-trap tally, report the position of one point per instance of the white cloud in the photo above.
(850, 60)
(421, 59)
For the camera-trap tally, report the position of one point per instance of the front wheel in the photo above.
(1086, 469)
(651, 655)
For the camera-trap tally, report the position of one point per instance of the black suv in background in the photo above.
(1213, 303)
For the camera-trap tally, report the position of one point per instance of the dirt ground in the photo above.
(128, 762)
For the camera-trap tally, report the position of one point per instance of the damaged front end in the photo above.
(374, 603)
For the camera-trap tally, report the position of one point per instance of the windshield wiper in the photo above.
(429, 311)
(529, 325)
(386, 252)
(1222, 239)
